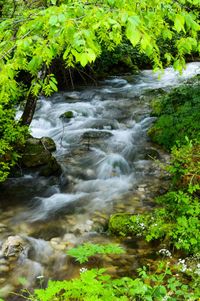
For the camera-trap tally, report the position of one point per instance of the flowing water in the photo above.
(106, 168)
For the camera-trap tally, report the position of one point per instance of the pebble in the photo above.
(55, 240)
(4, 268)
(3, 261)
(70, 238)
(141, 189)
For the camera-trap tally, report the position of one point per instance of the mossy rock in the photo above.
(119, 224)
(48, 143)
(152, 154)
(67, 115)
(37, 153)
(51, 168)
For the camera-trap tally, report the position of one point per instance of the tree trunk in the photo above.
(29, 110)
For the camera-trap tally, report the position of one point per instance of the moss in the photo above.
(119, 224)
(156, 106)
(67, 115)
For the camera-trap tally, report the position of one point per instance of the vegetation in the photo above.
(36, 35)
(96, 284)
(175, 220)
(178, 115)
(82, 252)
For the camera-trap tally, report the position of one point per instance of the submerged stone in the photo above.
(96, 135)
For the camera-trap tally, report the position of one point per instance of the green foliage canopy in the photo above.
(33, 34)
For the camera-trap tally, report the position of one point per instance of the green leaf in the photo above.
(53, 86)
(179, 23)
(132, 32)
(53, 20)
(83, 59)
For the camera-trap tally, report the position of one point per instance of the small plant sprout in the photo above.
(83, 252)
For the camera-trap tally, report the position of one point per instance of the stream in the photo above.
(107, 167)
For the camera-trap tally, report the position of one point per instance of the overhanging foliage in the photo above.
(33, 34)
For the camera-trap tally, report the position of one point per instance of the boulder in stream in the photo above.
(67, 115)
(37, 153)
(13, 247)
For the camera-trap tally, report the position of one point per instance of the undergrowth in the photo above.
(178, 115)
(163, 282)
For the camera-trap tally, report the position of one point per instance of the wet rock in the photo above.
(37, 153)
(67, 115)
(57, 244)
(51, 168)
(141, 189)
(2, 280)
(96, 135)
(3, 261)
(48, 143)
(152, 154)
(103, 124)
(70, 238)
(4, 269)
(13, 247)
(55, 240)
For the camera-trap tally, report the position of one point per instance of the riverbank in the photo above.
(107, 166)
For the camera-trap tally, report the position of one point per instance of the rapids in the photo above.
(103, 151)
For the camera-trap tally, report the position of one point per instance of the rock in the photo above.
(2, 280)
(3, 261)
(141, 189)
(103, 124)
(37, 153)
(51, 168)
(151, 154)
(119, 224)
(48, 143)
(13, 247)
(67, 115)
(4, 268)
(70, 239)
(56, 240)
(96, 135)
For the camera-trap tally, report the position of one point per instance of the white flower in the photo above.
(165, 252)
(83, 270)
